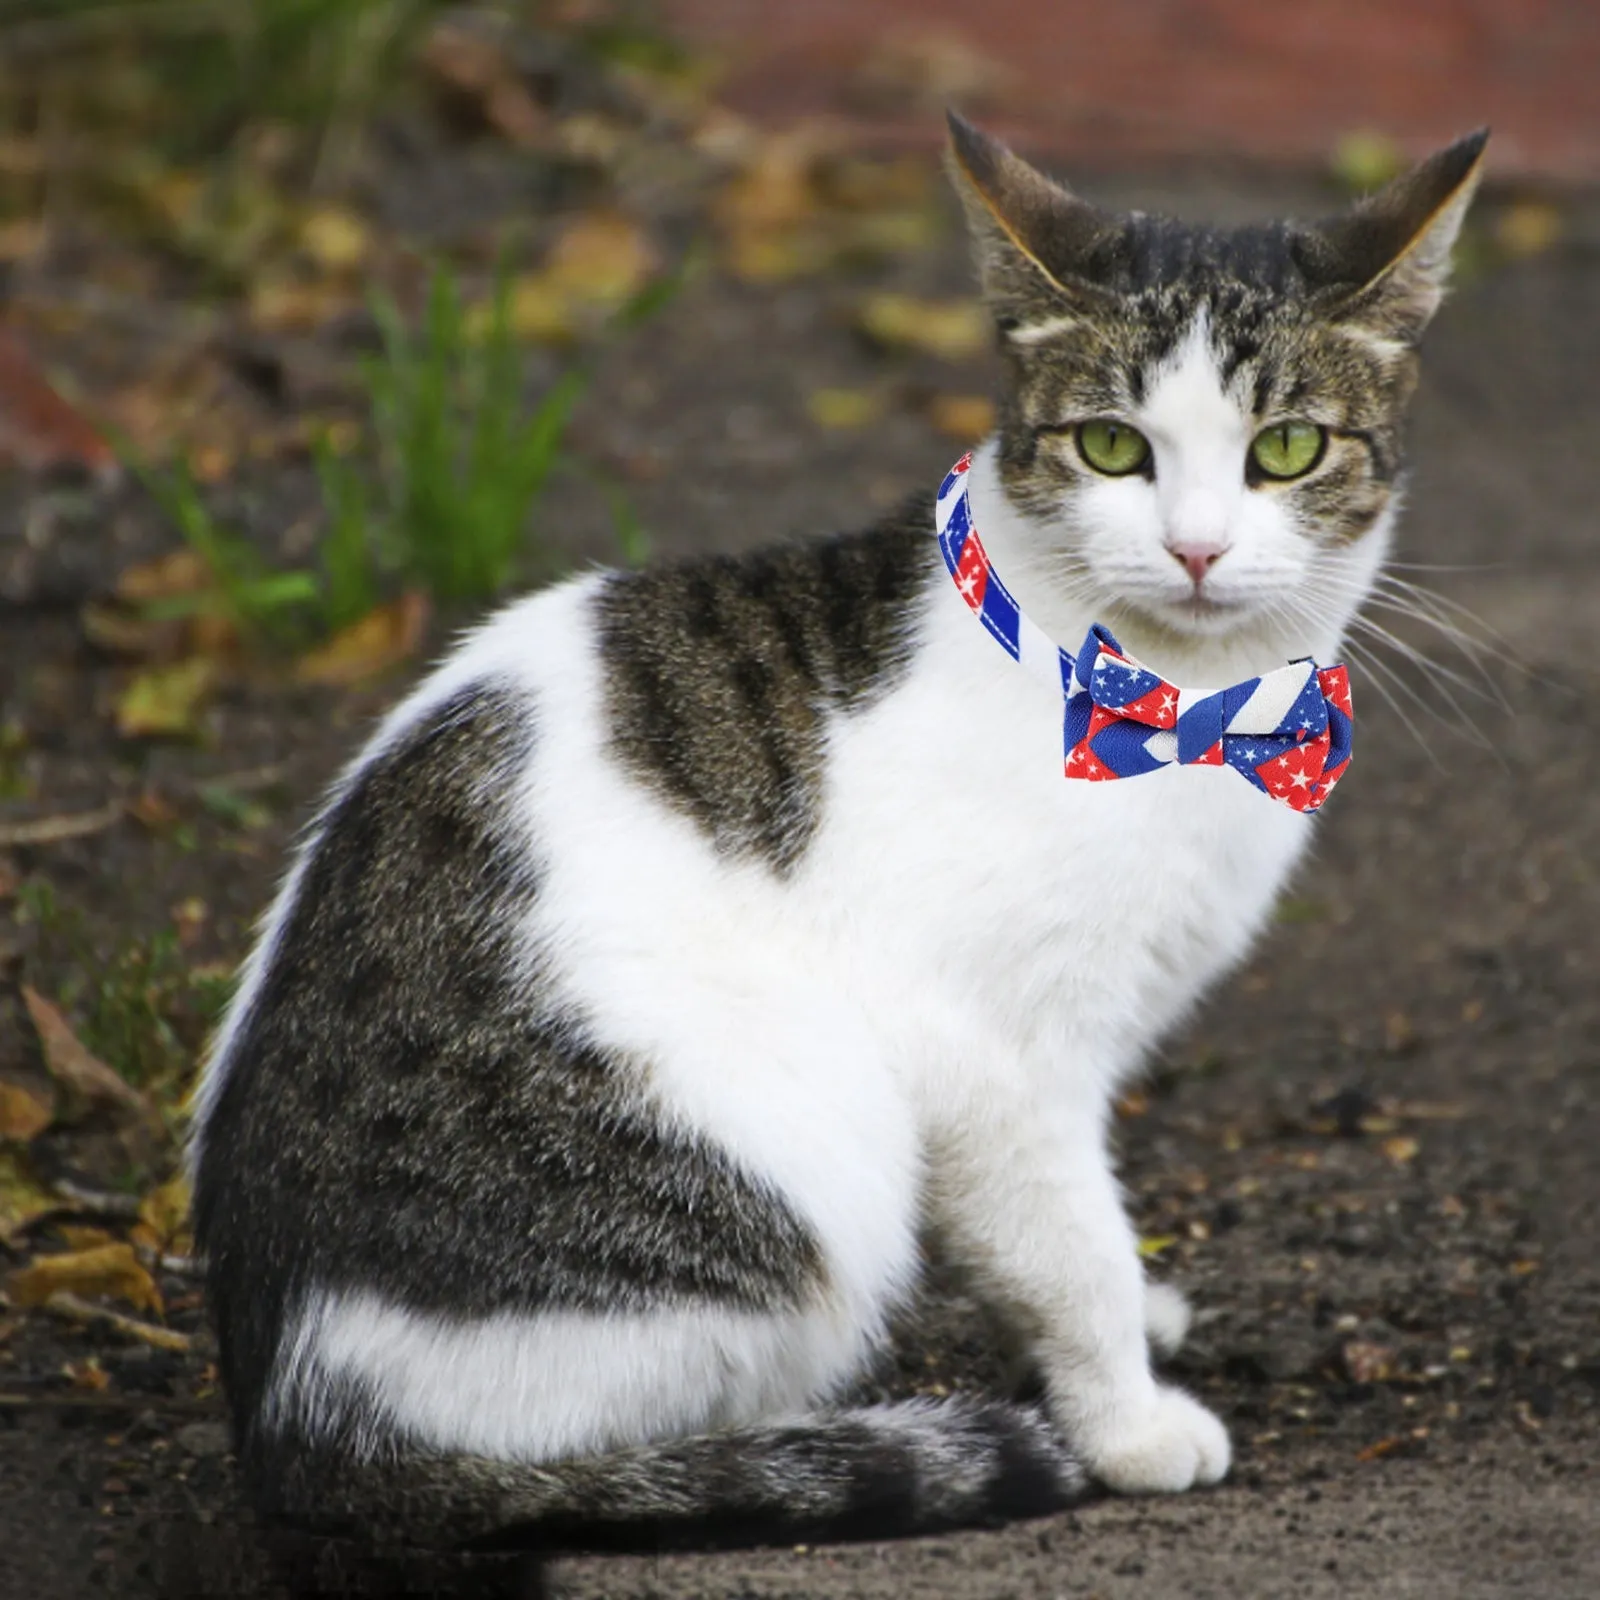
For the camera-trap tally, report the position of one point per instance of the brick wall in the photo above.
(1125, 81)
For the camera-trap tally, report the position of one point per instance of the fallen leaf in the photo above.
(1367, 1362)
(210, 463)
(112, 1270)
(603, 257)
(166, 701)
(1364, 160)
(953, 329)
(81, 1236)
(151, 809)
(87, 1374)
(380, 641)
(165, 1212)
(38, 428)
(1401, 1149)
(87, 1082)
(1135, 1103)
(10, 880)
(1382, 1448)
(479, 84)
(335, 238)
(1152, 1245)
(287, 305)
(21, 1199)
(537, 308)
(23, 237)
(22, 1113)
(844, 408)
(962, 417)
(1528, 228)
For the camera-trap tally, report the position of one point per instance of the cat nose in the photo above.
(1197, 559)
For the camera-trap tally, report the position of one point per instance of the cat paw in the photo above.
(1170, 1445)
(1166, 1318)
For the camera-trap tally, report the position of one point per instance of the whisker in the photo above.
(1439, 678)
(1487, 690)
(1366, 658)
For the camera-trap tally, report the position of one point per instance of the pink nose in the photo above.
(1197, 559)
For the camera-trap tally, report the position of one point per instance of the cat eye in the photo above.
(1288, 449)
(1112, 447)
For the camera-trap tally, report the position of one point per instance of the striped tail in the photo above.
(880, 1472)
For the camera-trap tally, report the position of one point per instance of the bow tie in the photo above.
(1287, 732)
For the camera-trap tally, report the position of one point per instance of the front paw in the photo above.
(1169, 1445)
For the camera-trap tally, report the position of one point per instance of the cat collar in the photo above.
(1288, 732)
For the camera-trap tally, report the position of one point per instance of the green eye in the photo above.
(1112, 447)
(1288, 449)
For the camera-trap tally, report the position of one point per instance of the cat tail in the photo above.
(880, 1472)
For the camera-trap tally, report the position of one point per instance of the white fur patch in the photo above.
(557, 1385)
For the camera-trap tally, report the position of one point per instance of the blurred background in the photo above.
(324, 324)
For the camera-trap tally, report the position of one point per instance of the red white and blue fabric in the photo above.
(1287, 732)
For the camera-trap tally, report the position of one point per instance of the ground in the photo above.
(1371, 1161)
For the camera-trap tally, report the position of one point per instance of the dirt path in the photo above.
(1374, 1155)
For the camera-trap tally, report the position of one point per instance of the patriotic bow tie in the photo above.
(1288, 732)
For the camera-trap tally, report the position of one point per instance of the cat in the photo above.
(697, 941)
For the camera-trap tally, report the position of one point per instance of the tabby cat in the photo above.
(696, 942)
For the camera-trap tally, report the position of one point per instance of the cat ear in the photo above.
(1385, 264)
(1039, 248)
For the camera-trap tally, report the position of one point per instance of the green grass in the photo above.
(191, 75)
(141, 1008)
(263, 606)
(462, 458)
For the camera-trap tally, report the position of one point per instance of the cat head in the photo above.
(1203, 425)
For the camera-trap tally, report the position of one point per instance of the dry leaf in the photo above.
(112, 1270)
(1528, 228)
(88, 1083)
(335, 238)
(953, 329)
(165, 702)
(1363, 160)
(21, 1199)
(10, 880)
(151, 809)
(844, 408)
(285, 305)
(962, 417)
(603, 257)
(537, 309)
(86, 1374)
(22, 1113)
(38, 428)
(1401, 1149)
(165, 1212)
(1135, 1103)
(380, 641)
(23, 237)
(80, 1236)
(480, 84)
